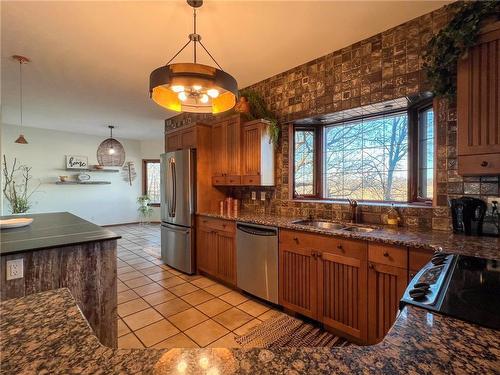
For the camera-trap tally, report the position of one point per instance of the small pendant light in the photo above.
(111, 152)
(22, 60)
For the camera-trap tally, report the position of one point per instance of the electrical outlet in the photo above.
(262, 195)
(15, 269)
(491, 199)
(254, 195)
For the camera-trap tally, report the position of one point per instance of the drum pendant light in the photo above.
(22, 60)
(193, 87)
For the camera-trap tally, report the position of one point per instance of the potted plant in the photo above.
(145, 210)
(16, 187)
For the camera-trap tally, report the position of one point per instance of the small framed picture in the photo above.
(77, 162)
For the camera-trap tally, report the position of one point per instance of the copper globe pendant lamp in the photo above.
(22, 60)
(193, 87)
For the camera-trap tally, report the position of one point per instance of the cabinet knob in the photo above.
(370, 266)
(296, 240)
(223, 225)
(484, 163)
(340, 248)
(386, 254)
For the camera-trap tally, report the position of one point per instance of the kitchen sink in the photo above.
(359, 229)
(321, 224)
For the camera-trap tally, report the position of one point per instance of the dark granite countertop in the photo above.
(483, 247)
(51, 230)
(46, 333)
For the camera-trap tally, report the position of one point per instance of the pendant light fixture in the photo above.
(193, 87)
(22, 60)
(111, 152)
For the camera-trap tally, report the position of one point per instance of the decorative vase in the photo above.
(243, 106)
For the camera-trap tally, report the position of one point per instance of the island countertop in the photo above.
(50, 230)
(46, 332)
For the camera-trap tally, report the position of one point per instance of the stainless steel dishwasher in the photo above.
(257, 260)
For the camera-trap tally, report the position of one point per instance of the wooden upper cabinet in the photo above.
(478, 98)
(219, 149)
(183, 138)
(226, 146)
(257, 154)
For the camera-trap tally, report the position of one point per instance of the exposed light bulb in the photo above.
(213, 93)
(177, 88)
(182, 96)
(204, 98)
(111, 151)
(196, 87)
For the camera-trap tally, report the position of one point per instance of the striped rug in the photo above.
(285, 331)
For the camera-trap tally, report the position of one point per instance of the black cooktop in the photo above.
(463, 287)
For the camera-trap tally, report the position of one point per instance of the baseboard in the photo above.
(132, 222)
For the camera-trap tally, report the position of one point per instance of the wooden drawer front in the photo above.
(327, 244)
(390, 255)
(251, 180)
(217, 224)
(233, 180)
(480, 165)
(218, 180)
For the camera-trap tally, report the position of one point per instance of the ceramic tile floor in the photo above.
(164, 308)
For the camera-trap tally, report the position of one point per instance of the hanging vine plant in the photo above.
(451, 43)
(258, 110)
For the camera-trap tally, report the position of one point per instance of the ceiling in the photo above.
(91, 60)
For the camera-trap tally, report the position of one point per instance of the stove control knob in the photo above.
(422, 285)
(417, 293)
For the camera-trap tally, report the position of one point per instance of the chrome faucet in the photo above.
(353, 204)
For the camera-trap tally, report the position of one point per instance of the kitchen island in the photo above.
(62, 250)
(46, 332)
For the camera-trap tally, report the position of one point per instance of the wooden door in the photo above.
(233, 134)
(386, 285)
(298, 280)
(478, 95)
(226, 257)
(342, 293)
(173, 142)
(206, 249)
(219, 149)
(251, 135)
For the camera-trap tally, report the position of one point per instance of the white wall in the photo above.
(45, 153)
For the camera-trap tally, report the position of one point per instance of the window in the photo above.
(151, 180)
(371, 158)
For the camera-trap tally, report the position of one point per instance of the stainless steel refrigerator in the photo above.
(177, 209)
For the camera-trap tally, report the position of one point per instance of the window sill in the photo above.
(154, 204)
(364, 203)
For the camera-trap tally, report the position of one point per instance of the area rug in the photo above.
(285, 331)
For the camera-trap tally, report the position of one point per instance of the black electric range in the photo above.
(463, 287)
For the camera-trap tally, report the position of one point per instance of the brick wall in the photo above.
(383, 67)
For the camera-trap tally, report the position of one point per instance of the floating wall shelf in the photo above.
(83, 182)
(93, 170)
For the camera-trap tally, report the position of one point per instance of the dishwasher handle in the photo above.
(257, 231)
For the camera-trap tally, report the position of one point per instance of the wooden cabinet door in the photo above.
(298, 280)
(188, 138)
(478, 95)
(206, 249)
(219, 149)
(173, 142)
(233, 136)
(251, 135)
(386, 285)
(342, 294)
(226, 257)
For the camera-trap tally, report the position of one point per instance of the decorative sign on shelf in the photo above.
(128, 172)
(77, 162)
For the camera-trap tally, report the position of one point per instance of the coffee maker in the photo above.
(468, 215)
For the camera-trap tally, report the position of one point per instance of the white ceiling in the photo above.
(91, 60)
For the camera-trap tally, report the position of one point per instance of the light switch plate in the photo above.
(254, 195)
(262, 195)
(15, 269)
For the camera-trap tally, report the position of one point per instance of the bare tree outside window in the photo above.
(152, 181)
(367, 159)
(304, 162)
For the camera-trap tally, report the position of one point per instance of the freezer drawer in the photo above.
(177, 247)
(257, 260)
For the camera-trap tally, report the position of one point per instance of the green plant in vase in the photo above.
(16, 186)
(145, 210)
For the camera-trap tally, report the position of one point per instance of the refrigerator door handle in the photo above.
(176, 229)
(174, 187)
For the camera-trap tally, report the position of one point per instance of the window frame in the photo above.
(317, 165)
(413, 198)
(145, 163)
